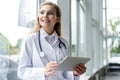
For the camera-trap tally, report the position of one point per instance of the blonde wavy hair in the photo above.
(57, 26)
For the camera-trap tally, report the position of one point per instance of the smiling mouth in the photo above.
(46, 21)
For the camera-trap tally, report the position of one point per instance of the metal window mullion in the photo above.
(78, 29)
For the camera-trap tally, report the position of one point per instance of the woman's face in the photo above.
(48, 17)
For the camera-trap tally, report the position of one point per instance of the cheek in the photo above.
(39, 19)
(54, 19)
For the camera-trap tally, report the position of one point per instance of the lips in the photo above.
(46, 21)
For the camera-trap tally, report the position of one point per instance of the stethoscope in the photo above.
(42, 54)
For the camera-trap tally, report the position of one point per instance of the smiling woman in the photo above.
(44, 48)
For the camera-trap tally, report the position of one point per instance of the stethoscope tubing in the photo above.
(39, 42)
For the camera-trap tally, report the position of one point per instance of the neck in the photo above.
(49, 31)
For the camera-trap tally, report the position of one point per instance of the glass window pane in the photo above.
(74, 26)
(17, 17)
(82, 31)
(78, 28)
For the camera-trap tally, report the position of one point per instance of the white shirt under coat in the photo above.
(32, 65)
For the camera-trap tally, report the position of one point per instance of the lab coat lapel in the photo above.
(48, 49)
(37, 59)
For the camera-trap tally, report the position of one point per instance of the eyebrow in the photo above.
(48, 10)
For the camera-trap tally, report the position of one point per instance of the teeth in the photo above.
(45, 21)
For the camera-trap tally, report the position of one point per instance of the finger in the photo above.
(83, 66)
(50, 68)
(79, 69)
(52, 63)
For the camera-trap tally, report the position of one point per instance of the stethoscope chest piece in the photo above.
(42, 54)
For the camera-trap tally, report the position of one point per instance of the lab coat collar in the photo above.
(45, 35)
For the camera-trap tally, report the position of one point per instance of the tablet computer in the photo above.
(69, 62)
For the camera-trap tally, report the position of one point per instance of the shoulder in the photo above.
(30, 37)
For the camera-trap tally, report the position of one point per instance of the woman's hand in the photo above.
(79, 69)
(50, 68)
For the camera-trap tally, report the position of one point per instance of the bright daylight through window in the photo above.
(17, 18)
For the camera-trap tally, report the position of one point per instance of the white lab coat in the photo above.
(32, 65)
